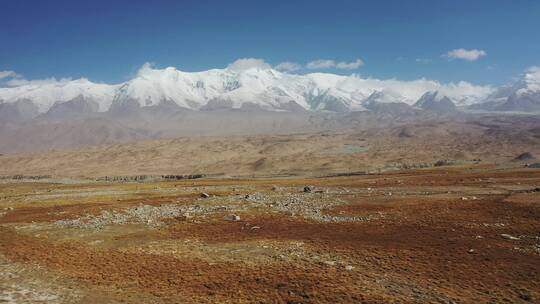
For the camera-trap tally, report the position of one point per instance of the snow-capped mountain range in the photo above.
(272, 90)
(46, 94)
(521, 95)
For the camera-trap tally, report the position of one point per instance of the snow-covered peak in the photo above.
(436, 102)
(434, 96)
(523, 95)
(237, 85)
(527, 84)
(246, 81)
(46, 93)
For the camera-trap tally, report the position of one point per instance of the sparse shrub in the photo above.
(442, 162)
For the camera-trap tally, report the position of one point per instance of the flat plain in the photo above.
(443, 235)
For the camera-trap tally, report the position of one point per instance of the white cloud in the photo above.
(321, 64)
(8, 74)
(469, 55)
(13, 79)
(463, 90)
(353, 65)
(423, 60)
(534, 70)
(328, 63)
(146, 68)
(532, 77)
(17, 82)
(248, 63)
(288, 66)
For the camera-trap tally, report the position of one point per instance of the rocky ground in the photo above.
(453, 234)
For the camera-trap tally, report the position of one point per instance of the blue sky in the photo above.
(107, 41)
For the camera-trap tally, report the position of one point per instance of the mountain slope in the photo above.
(388, 103)
(436, 102)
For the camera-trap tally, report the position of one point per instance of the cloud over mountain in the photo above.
(350, 65)
(8, 74)
(13, 79)
(288, 66)
(248, 63)
(329, 63)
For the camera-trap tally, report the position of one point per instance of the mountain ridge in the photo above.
(232, 88)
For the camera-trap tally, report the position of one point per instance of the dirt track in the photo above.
(446, 235)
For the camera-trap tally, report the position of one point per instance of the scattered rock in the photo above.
(184, 217)
(330, 263)
(307, 189)
(145, 214)
(533, 190)
(349, 267)
(463, 198)
(220, 208)
(205, 195)
(232, 217)
(509, 237)
(309, 206)
(471, 251)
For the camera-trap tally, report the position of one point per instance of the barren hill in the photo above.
(493, 139)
